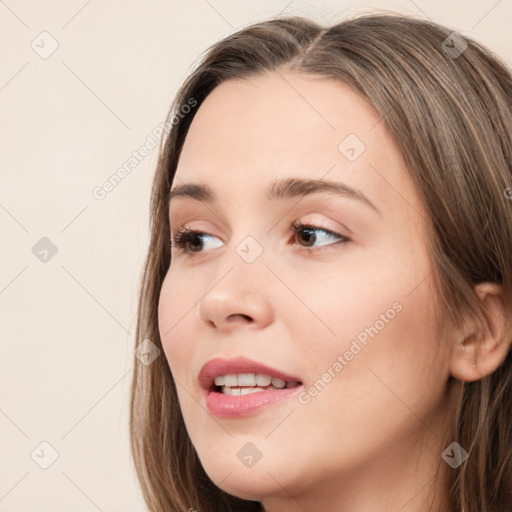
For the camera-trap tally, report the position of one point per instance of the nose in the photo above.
(235, 301)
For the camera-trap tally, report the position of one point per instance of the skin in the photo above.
(372, 438)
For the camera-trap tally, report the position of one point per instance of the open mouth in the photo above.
(241, 387)
(246, 383)
(244, 394)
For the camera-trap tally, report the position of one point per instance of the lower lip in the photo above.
(227, 406)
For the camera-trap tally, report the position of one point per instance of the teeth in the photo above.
(230, 380)
(230, 391)
(252, 382)
(247, 379)
(226, 390)
(263, 380)
(246, 391)
(278, 383)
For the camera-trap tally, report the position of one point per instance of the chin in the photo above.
(252, 483)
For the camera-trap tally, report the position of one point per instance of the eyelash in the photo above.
(185, 235)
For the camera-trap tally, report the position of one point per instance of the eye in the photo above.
(188, 241)
(309, 236)
(186, 237)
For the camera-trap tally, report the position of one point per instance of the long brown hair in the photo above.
(449, 108)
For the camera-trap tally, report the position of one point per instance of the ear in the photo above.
(482, 348)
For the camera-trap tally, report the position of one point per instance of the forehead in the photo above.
(248, 133)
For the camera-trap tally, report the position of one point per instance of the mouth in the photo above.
(239, 387)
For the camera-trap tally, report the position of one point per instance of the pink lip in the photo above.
(234, 406)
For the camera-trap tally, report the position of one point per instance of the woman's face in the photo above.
(344, 306)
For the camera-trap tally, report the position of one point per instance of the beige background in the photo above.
(68, 122)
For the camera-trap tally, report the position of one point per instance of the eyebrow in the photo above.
(281, 189)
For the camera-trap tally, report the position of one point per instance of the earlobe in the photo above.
(482, 348)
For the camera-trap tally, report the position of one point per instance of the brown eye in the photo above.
(311, 234)
(308, 235)
(190, 241)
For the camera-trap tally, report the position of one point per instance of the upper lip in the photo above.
(218, 366)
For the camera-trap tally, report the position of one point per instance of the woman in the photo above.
(329, 276)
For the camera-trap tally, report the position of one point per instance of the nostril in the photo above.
(245, 317)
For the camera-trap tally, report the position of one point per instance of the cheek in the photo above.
(385, 354)
(375, 396)
(352, 300)
(174, 307)
(378, 317)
